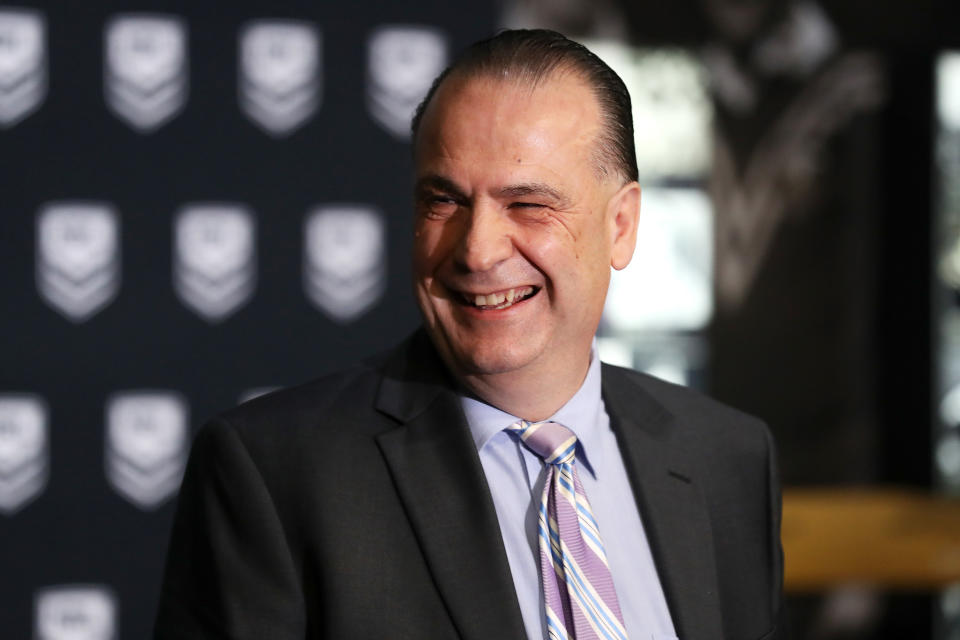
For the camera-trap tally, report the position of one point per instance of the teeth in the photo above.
(501, 299)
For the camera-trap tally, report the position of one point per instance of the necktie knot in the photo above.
(552, 441)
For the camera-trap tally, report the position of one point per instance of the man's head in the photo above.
(523, 203)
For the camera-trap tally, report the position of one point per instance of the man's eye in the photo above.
(441, 202)
(526, 205)
(439, 206)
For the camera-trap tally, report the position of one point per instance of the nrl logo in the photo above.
(950, 408)
(279, 74)
(24, 464)
(23, 64)
(146, 445)
(402, 62)
(214, 264)
(75, 612)
(345, 269)
(145, 69)
(78, 257)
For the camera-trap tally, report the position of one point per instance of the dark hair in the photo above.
(532, 56)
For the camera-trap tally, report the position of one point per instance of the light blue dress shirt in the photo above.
(516, 477)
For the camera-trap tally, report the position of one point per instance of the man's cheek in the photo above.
(428, 247)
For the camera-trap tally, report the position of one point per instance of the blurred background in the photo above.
(203, 201)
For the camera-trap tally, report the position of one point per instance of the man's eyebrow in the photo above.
(532, 189)
(439, 183)
(446, 185)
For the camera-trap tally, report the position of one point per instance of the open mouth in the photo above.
(499, 299)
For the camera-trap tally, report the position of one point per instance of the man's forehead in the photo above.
(507, 99)
(491, 114)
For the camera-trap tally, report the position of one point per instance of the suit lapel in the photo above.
(438, 476)
(671, 505)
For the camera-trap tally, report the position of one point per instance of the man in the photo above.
(410, 497)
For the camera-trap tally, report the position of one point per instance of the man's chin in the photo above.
(471, 354)
(489, 360)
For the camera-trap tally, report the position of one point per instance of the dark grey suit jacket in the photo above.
(355, 506)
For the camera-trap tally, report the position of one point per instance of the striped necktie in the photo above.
(578, 593)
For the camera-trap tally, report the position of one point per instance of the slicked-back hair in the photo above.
(531, 57)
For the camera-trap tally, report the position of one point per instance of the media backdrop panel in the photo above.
(200, 201)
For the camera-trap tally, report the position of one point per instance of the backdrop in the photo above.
(197, 203)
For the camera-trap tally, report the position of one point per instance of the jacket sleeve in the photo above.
(229, 571)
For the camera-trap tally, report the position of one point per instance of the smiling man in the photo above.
(490, 478)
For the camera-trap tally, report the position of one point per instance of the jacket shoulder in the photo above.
(699, 417)
(336, 406)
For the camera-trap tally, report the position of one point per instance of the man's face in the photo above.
(515, 232)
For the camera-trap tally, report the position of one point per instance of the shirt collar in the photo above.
(579, 414)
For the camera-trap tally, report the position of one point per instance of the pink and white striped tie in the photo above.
(579, 596)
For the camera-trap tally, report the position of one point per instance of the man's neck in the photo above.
(529, 393)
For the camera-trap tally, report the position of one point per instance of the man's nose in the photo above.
(486, 240)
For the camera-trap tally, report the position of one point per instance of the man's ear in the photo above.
(623, 213)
